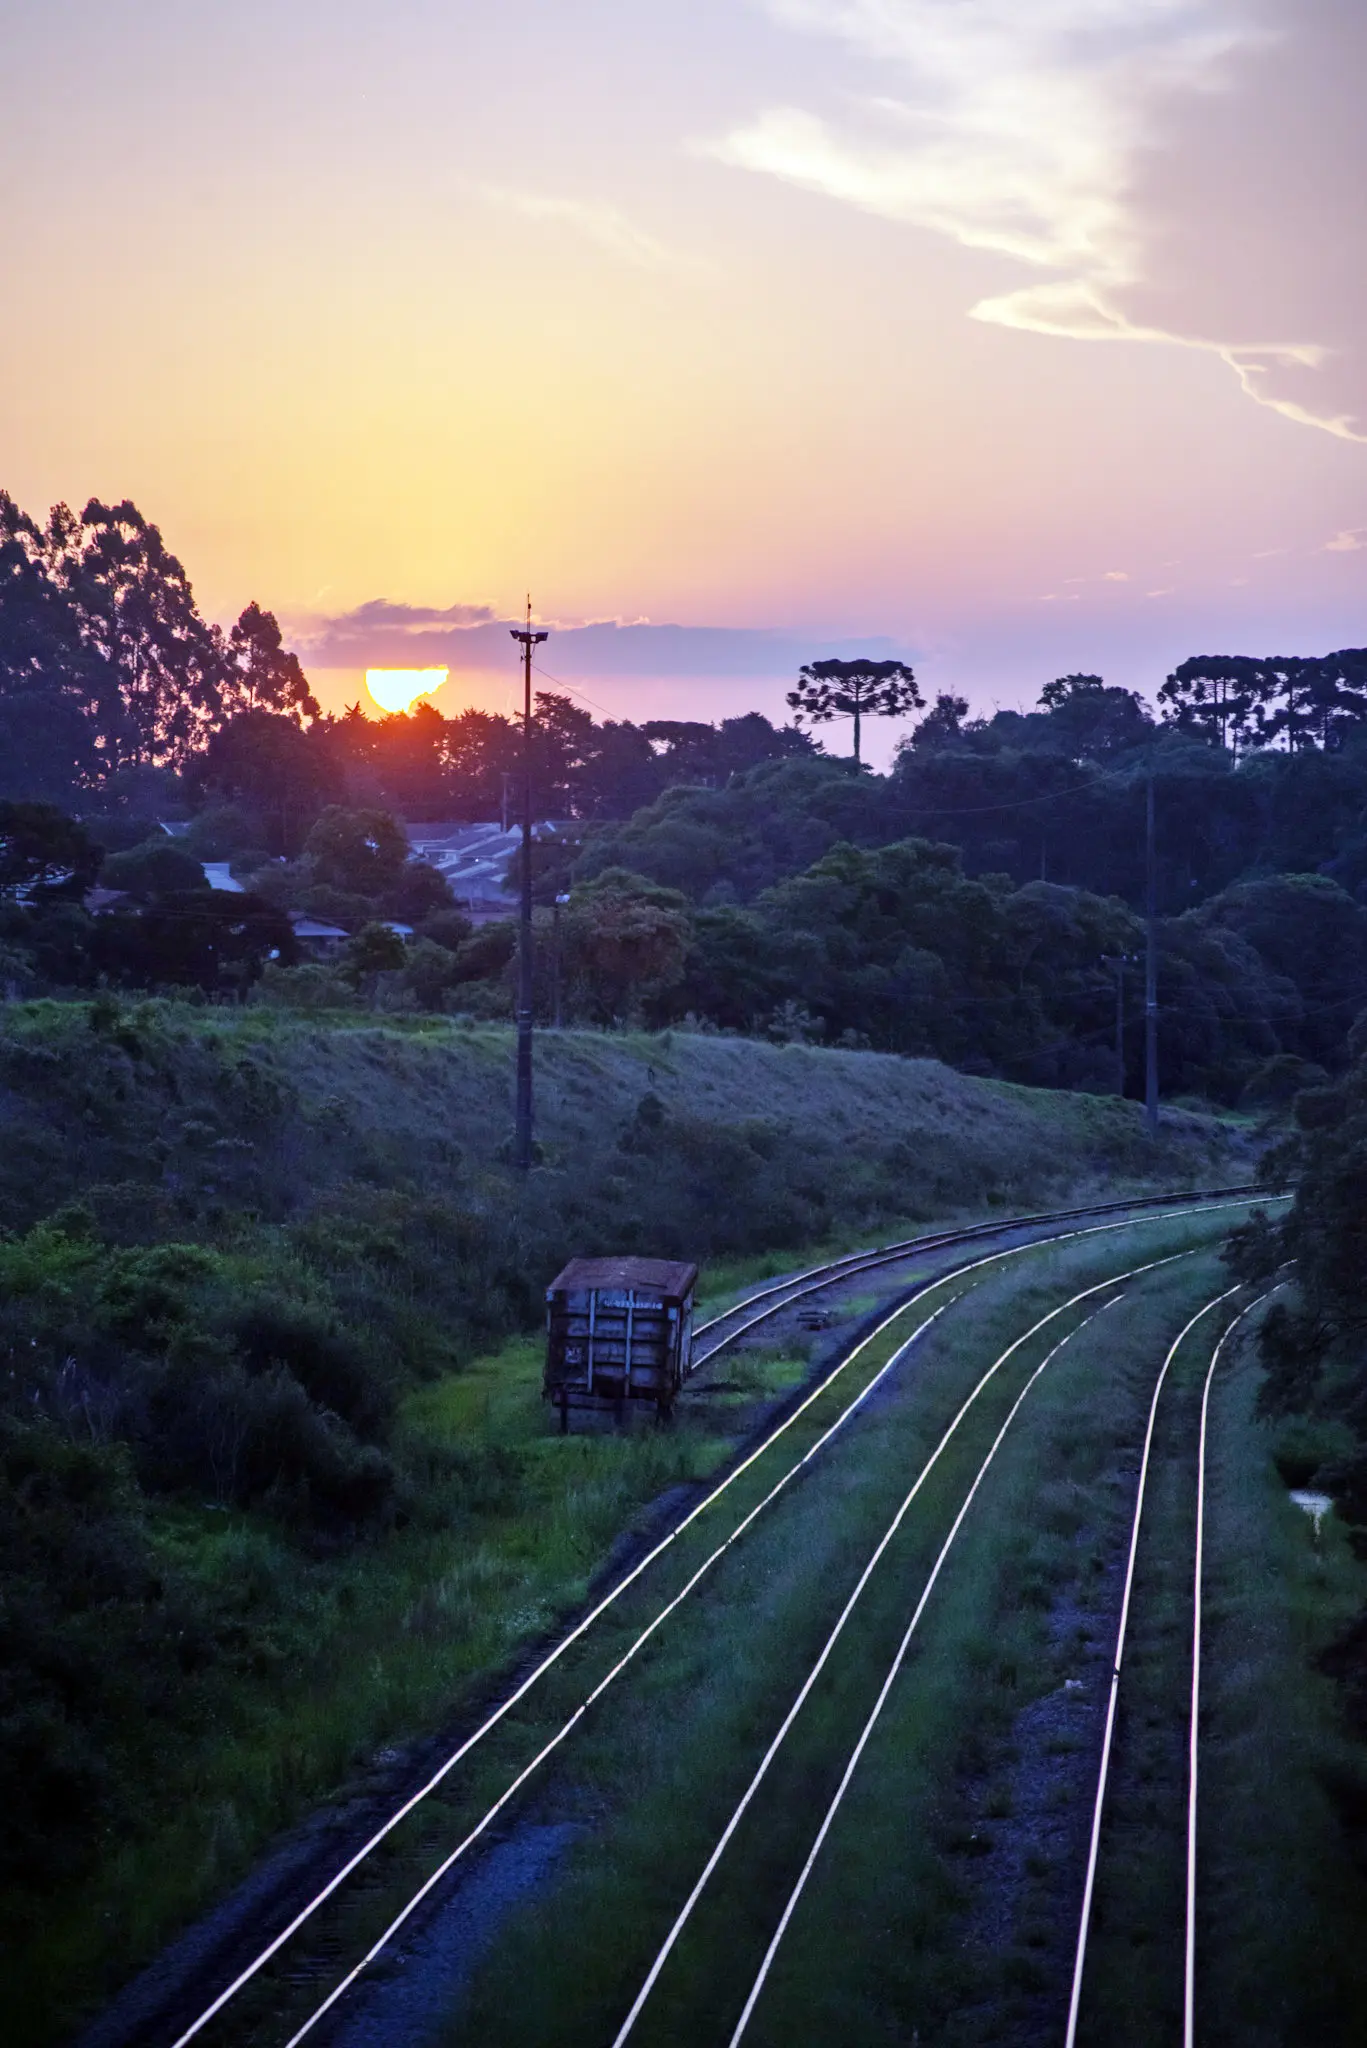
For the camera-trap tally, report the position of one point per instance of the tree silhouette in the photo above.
(259, 675)
(854, 689)
(943, 724)
(138, 617)
(1215, 697)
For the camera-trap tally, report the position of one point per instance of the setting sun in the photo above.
(398, 689)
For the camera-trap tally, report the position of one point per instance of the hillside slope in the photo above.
(163, 1116)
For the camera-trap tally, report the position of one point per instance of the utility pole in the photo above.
(522, 1130)
(1151, 970)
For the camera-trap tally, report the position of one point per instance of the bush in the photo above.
(155, 867)
(310, 986)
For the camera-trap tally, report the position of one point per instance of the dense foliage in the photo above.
(1314, 1336)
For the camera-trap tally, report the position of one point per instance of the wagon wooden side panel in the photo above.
(618, 1330)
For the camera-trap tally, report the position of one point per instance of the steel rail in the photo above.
(1189, 1981)
(1094, 1845)
(798, 1285)
(891, 1678)
(415, 1901)
(1195, 1203)
(686, 1911)
(567, 1727)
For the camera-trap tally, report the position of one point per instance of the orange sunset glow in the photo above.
(785, 328)
(399, 689)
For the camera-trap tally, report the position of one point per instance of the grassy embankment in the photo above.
(346, 1180)
(946, 1899)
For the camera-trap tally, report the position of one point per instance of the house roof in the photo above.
(97, 899)
(218, 875)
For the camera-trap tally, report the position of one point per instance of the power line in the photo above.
(1048, 796)
(560, 684)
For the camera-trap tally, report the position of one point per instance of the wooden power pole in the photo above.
(522, 1129)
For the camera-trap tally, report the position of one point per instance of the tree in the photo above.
(264, 762)
(854, 689)
(942, 725)
(362, 852)
(1093, 720)
(259, 675)
(159, 867)
(1215, 697)
(375, 950)
(1237, 700)
(158, 666)
(481, 747)
(45, 853)
(207, 937)
(47, 743)
(1322, 699)
(625, 940)
(1309, 931)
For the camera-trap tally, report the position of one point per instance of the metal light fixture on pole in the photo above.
(522, 1129)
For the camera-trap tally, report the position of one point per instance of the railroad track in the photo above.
(746, 1315)
(1186, 1817)
(1104, 2025)
(726, 1329)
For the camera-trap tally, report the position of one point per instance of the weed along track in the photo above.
(1135, 1967)
(679, 1664)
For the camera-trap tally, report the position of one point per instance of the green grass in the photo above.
(1281, 1899)
(654, 1778)
(358, 1654)
(1276, 1962)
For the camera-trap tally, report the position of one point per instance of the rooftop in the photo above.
(669, 1277)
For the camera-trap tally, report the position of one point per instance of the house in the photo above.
(320, 939)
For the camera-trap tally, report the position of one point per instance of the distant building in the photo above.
(217, 875)
(98, 900)
(316, 937)
(474, 860)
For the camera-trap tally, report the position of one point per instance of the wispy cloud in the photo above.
(380, 612)
(1017, 129)
(385, 633)
(594, 221)
(1349, 541)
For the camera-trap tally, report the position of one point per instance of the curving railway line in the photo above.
(303, 1952)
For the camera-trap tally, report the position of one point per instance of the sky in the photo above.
(1009, 337)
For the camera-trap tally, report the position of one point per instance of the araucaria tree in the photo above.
(854, 689)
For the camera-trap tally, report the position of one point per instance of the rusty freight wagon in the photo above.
(618, 1330)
